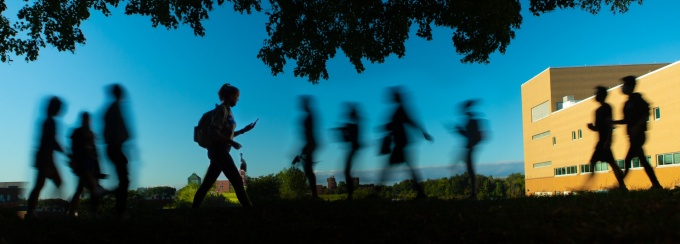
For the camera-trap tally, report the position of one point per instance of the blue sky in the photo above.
(172, 77)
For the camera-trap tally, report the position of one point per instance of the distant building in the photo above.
(355, 180)
(319, 189)
(332, 185)
(557, 105)
(222, 186)
(10, 193)
(194, 178)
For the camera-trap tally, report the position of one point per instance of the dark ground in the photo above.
(642, 216)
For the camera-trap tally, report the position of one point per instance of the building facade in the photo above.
(10, 193)
(222, 186)
(332, 185)
(557, 105)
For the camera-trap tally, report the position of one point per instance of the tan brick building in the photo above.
(557, 105)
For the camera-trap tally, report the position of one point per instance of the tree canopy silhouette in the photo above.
(307, 31)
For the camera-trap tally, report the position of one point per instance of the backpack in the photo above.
(202, 130)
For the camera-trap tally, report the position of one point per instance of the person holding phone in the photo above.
(222, 133)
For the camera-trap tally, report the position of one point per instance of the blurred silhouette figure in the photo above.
(306, 157)
(635, 116)
(115, 135)
(473, 135)
(222, 133)
(350, 133)
(44, 159)
(396, 141)
(243, 168)
(85, 164)
(604, 126)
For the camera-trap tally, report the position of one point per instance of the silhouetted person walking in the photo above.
(397, 134)
(307, 154)
(604, 126)
(222, 132)
(44, 159)
(350, 134)
(473, 136)
(85, 164)
(635, 116)
(115, 135)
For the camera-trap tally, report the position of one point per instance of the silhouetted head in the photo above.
(628, 84)
(353, 112)
(85, 119)
(54, 107)
(600, 93)
(229, 94)
(466, 106)
(306, 102)
(117, 91)
(397, 94)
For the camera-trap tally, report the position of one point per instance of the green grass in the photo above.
(333, 197)
(638, 216)
(231, 196)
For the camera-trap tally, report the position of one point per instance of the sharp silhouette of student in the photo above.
(116, 133)
(473, 136)
(222, 132)
(350, 133)
(44, 159)
(306, 156)
(604, 126)
(396, 141)
(85, 164)
(635, 116)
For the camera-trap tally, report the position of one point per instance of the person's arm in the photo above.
(592, 127)
(408, 120)
(245, 129)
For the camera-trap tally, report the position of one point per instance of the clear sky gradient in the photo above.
(172, 77)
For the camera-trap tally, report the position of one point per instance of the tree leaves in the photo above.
(310, 32)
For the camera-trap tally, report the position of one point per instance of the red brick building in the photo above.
(222, 186)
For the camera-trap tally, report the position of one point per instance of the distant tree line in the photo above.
(290, 184)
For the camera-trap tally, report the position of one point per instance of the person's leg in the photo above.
(308, 164)
(348, 174)
(629, 158)
(471, 173)
(208, 181)
(420, 192)
(231, 172)
(115, 153)
(648, 168)
(122, 191)
(35, 193)
(311, 177)
(75, 200)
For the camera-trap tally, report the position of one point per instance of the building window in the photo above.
(554, 141)
(601, 166)
(540, 135)
(573, 135)
(540, 111)
(585, 168)
(668, 159)
(635, 163)
(580, 134)
(657, 113)
(569, 170)
(543, 164)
